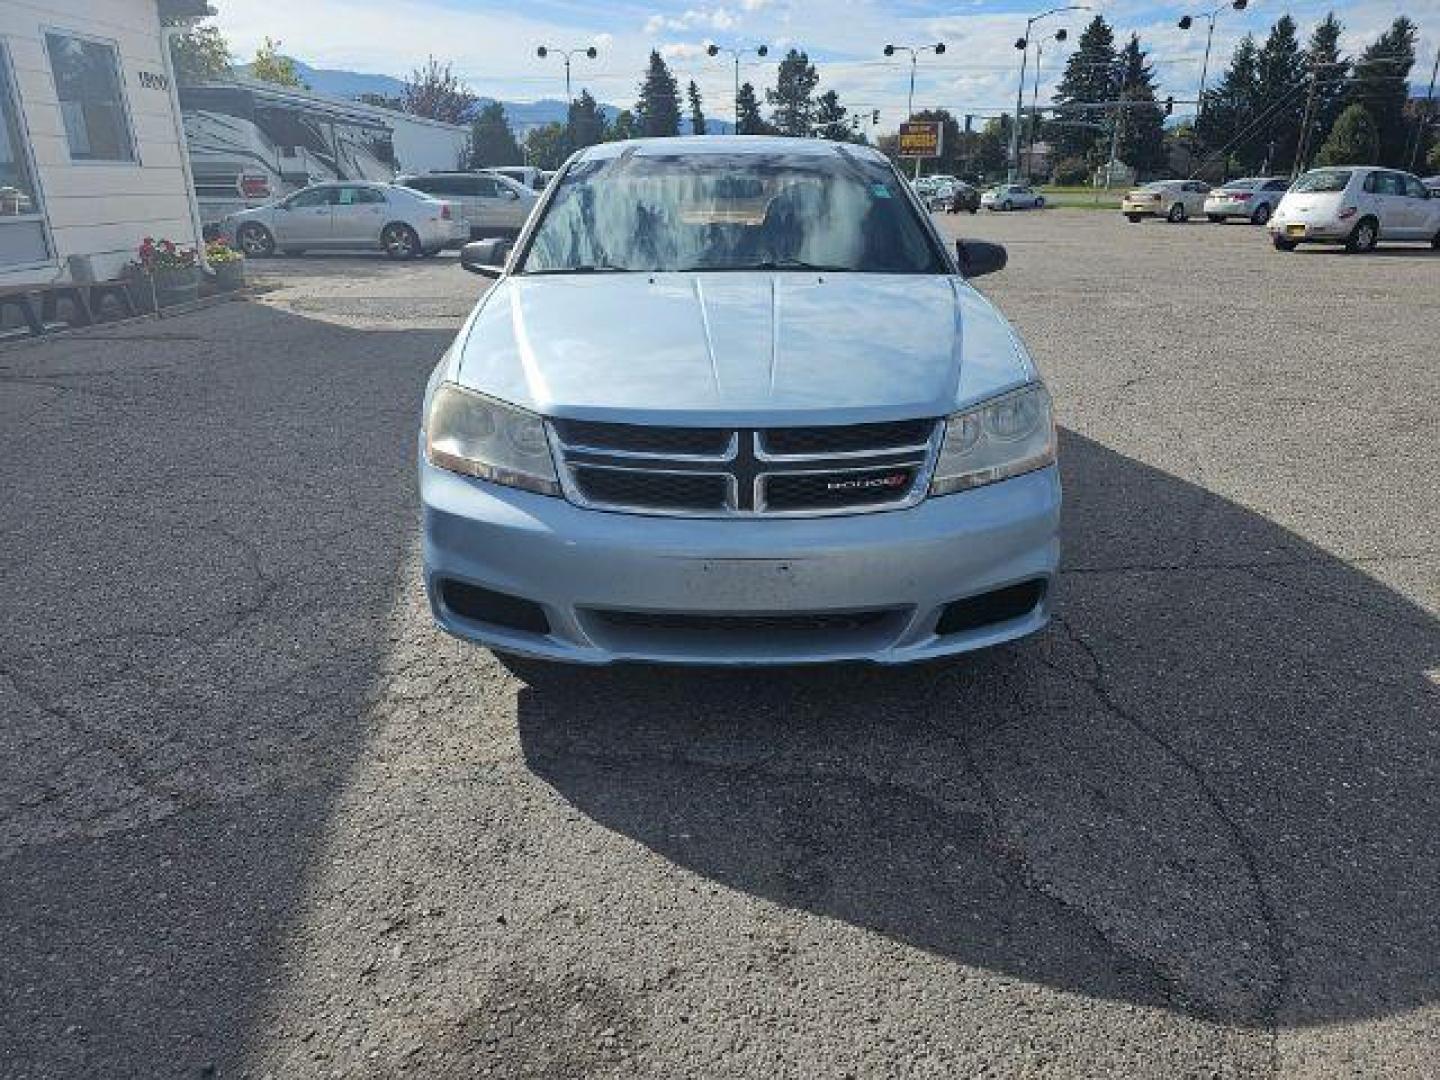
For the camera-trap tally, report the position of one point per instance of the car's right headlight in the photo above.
(470, 433)
(997, 439)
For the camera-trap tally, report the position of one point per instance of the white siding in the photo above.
(101, 209)
(425, 147)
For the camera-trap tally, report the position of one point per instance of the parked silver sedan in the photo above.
(1252, 197)
(491, 204)
(404, 224)
(1012, 197)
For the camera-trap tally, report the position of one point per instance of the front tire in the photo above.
(1365, 236)
(1007, 205)
(400, 241)
(255, 240)
(1039, 204)
(1134, 219)
(1261, 215)
(1281, 244)
(1177, 214)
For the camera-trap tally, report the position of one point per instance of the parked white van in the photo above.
(1355, 205)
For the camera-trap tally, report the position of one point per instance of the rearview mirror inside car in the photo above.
(977, 258)
(486, 257)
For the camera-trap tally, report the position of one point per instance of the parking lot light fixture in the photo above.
(1023, 44)
(589, 51)
(759, 50)
(1186, 22)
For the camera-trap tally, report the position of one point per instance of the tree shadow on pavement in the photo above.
(1210, 786)
(204, 521)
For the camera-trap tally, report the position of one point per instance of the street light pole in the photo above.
(590, 51)
(1060, 36)
(914, 50)
(1186, 22)
(759, 50)
(1023, 44)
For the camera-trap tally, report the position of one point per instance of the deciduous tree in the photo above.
(200, 52)
(270, 66)
(1354, 140)
(436, 92)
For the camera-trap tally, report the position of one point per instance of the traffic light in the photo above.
(1170, 105)
(874, 116)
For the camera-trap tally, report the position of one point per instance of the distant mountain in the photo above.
(523, 115)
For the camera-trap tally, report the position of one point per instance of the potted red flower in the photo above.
(171, 271)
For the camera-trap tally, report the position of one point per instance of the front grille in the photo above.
(814, 470)
(847, 439)
(808, 622)
(814, 491)
(647, 488)
(644, 439)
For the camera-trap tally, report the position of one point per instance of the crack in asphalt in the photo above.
(1240, 841)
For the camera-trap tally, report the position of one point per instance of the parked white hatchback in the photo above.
(1357, 206)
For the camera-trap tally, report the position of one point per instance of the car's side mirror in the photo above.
(977, 258)
(513, 196)
(486, 257)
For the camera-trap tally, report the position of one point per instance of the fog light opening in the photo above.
(498, 609)
(987, 609)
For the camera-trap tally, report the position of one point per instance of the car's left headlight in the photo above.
(997, 439)
(470, 433)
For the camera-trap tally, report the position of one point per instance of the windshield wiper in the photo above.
(597, 268)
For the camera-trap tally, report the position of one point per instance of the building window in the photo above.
(22, 226)
(87, 81)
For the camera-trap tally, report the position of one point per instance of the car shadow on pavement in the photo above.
(1210, 786)
(205, 519)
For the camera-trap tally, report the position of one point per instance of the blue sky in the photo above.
(493, 43)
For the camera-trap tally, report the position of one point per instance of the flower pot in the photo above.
(229, 275)
(177, 286)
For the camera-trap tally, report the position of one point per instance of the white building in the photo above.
(92, 156)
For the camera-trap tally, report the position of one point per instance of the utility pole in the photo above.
(715, 50)
(1023, 44)
(1424, 117)
(1303, 150)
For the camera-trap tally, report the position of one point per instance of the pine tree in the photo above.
(624, 126)
(1089, 78)
(658, 110)
(1325, 65)
(793, 97)
(697, 114)
(1142, 133)
(584, 122)
(1354, 140)
(1231, 106)
(1280, 90)
(492, 142)
(830, 121)
(1379, 83)
(748, 120)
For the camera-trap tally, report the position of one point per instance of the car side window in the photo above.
(314, 197)
(486, 187)
(1415, 189)
(1277, 185)
(1372, 184)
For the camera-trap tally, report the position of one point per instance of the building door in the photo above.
(24, 241)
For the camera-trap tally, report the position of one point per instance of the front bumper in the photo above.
(900, 569)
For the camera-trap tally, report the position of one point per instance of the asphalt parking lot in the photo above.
(258, 818)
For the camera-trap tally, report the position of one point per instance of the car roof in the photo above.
(758, 145)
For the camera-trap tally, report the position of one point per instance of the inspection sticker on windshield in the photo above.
(880, 191)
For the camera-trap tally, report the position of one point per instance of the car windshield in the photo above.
(730, 211)
(1323, 180)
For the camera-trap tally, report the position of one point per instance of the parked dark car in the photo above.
(964, 197)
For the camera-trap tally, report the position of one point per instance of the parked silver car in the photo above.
(404, 224)
(1012, 197)
(1250, 197)
(1173, 200)
(491, 205)
(734, 401)
(1358, 206)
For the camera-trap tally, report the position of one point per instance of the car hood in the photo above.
(737, 348)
